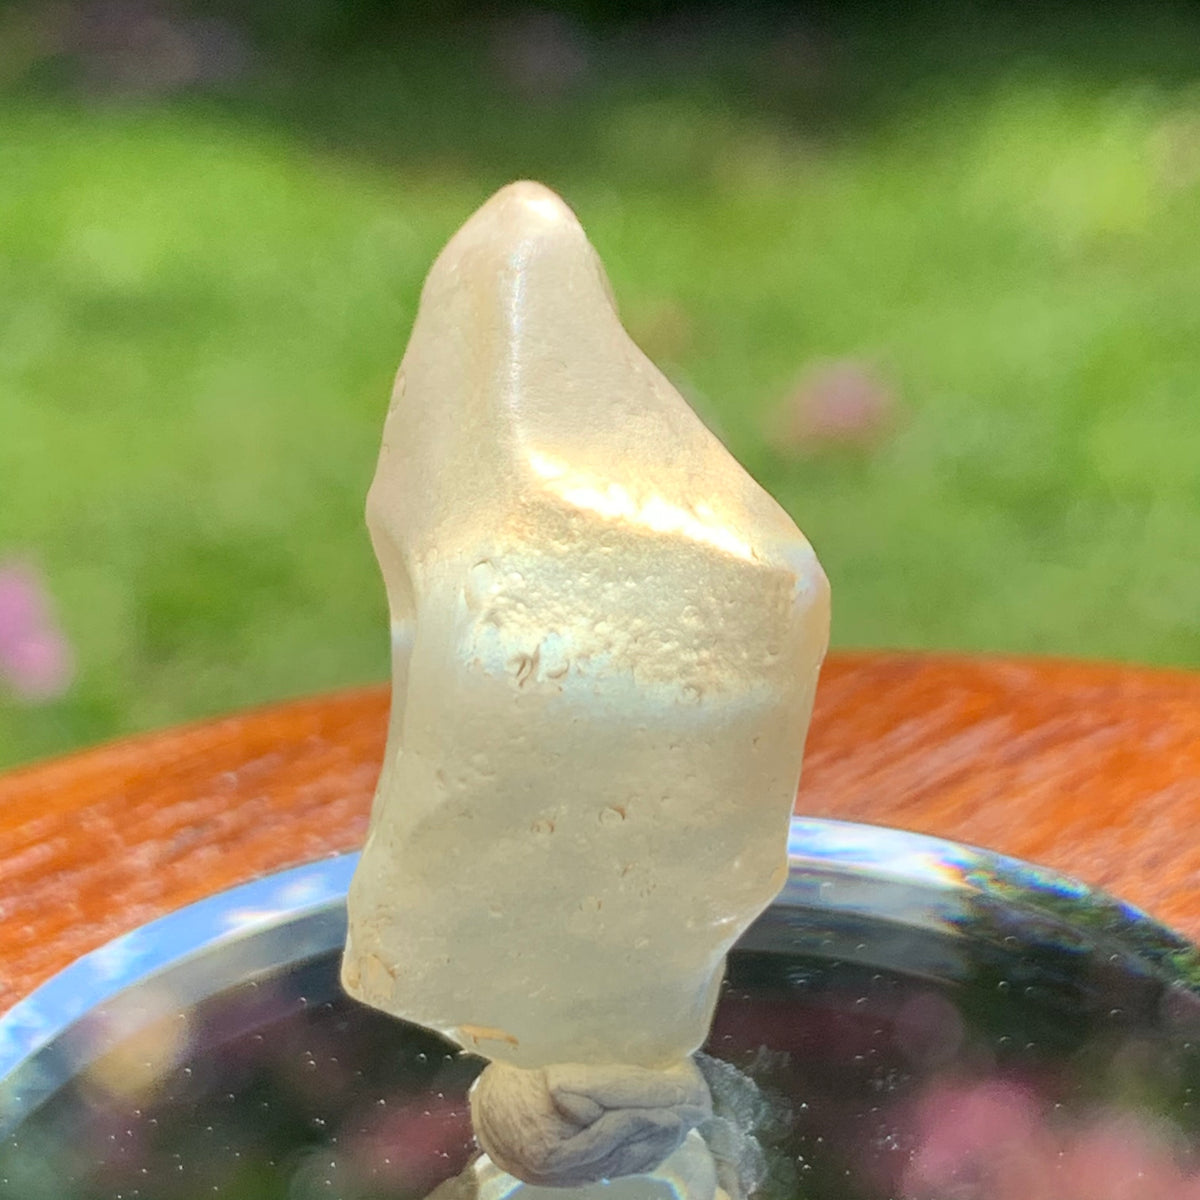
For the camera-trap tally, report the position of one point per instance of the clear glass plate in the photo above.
(912, 1018)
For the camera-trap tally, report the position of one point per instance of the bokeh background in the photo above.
(931, 270)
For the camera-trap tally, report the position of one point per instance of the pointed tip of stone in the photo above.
(511, 264)
(520, 214)
(529, 204)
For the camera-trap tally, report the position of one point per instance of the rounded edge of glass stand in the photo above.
(905, 880)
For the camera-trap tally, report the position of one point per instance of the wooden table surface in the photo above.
(1094, 770)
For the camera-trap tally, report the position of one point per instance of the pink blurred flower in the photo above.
(143, 47)
(995, 1141)
(980, 1142)
(929, 1029)
(1119, 1156)
(35, 659)
(541, 55)
(410, 1145)
(837, 404)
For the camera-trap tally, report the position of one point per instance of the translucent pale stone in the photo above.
(687, 1174)
(606, 639)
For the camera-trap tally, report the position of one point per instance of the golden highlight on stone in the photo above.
(606, 638)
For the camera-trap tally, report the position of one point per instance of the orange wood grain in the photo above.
(1091, 769)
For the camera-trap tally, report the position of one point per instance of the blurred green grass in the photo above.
(205, 295)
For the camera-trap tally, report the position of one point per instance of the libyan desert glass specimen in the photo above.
(606, 639)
